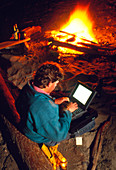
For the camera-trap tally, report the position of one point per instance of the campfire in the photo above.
(76, 36)
(76, 32)
(74, 41)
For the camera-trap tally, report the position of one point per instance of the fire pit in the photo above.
(77, 31)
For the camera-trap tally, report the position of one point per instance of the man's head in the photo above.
(48, 72)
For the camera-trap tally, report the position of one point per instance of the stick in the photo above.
(98, 143)
(77, 48)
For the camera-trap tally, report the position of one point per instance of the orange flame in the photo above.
(77, 29)
(80, 24)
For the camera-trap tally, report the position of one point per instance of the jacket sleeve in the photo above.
(48, 123)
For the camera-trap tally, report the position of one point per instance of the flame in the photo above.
(80, 24)
(77, 29)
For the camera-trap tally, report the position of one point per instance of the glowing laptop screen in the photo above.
(82, 94)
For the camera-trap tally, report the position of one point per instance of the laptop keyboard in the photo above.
(77, 111)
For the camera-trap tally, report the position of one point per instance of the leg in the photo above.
(81, 131)
(54, 156)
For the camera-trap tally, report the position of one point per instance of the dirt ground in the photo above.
(51, 16)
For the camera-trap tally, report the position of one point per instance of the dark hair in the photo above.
(48, 72)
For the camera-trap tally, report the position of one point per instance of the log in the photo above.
(98, 142)
(11, 43)
(77, 48)
(30, 152)
(88, 48)
(9, 100)
(97, 46)
(90, 43)
(73, 35)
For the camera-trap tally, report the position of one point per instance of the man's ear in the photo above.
(49, 84)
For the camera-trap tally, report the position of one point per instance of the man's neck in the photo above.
(44, 90)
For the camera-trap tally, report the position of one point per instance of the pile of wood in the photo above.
(86, 46)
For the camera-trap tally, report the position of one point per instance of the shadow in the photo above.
(4, 65)
(12, 147)
(6, 111)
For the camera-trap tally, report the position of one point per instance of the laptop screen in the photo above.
(82, 94)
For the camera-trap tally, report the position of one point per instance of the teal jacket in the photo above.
(40, 120)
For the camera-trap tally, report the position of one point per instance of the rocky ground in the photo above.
(97, 71)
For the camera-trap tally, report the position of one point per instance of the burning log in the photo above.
(74, 36)
(97, 46)
(85, 48)
(75, 42)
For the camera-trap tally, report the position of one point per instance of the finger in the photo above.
(75, 104)
(66, 99)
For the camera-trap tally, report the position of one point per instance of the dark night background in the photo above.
(24, 12)
(47, 13)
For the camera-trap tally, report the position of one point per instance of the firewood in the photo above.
(78, 48)
(88, 48)
(68, 33)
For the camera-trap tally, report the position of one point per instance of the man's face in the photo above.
(52, 86)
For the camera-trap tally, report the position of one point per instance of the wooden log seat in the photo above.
(30, 152)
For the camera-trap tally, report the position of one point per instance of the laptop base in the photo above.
(83, 120)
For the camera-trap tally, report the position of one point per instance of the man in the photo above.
(40, 119)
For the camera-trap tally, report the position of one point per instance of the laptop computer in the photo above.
(83, 95)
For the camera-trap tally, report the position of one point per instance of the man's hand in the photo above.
(61, 100)
(72, 106)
